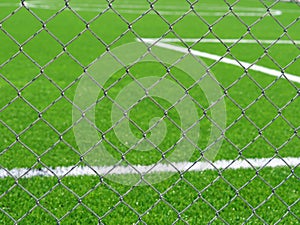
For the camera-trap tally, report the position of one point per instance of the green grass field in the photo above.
(44, 51)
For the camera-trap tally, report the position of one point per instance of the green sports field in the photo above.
(48, 49)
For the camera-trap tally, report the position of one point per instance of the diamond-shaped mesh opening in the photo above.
(291, 197)
(27, 25)
(123, 211)
(81, 215)
(20, 70)
(184, 27)
(108, 32)
(149, 112)
(39, 137)
(276, 207)
(105, 198)
(237, 131)
(39, 215)
(10, 47)
(87, 43)
(8, 136)
(63, 71)
(275, 51)
(66, 148)
(17, 150)
(289, 217)
(285, 132)
(237, 210)
(254, 195)
(244, 99)
(8, 95)
(138, 201)
(292, 26)
(143, 26)
(41, 88)
(259, 147)
(249, 53)
(261, 112)
(292, 66)
(88, 10)
(260, 24)
(12, 208)
(65, 26)
(218, 26)
(287, 97)
(206, 216)
(289, 149)
(51, 48)
(22, 117)
(181, 195)
(59, 206)
(161, 206)
(224, 190)
(45, 11)
(60, 108)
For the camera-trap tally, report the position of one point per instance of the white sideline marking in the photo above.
(163, 10)
(243, 64)
(123, 170)
(207, 7)
(228, 41)
(180, 13)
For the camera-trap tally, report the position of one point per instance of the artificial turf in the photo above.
(38, 85)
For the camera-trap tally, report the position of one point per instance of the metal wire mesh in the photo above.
(124, 200)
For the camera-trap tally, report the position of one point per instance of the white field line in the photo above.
(129, 5)
(233, 62)
(99, 7)
(140, 9)
(181, 13)
(175, 167)
(227, 41)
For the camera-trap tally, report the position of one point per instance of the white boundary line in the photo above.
(229, 61)
(129, 5)
(140, 9)
(175, 167)
(228, 41)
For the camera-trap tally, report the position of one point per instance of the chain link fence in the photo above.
(149, 112)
